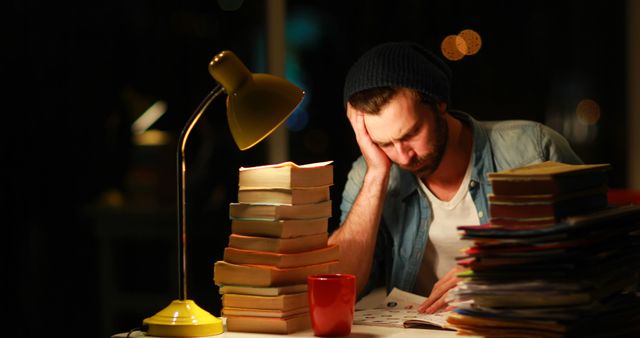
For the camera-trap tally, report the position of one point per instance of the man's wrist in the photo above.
(378, 177)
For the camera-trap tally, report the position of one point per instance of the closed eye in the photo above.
(411, 133)
(415, 130)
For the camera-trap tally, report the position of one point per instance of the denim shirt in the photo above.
(406, 216)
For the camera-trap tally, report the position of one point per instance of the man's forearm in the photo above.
(356, 237)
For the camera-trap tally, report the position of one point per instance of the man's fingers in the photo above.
(426, 304)
(439, 304)
(442, 286)
(433, 308)
(437, 298)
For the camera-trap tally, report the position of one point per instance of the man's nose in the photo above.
(405, 153)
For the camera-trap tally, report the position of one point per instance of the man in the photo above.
(423, 171)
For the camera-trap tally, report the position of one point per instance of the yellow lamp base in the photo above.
(183, 318)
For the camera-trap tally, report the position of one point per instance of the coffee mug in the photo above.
(332, 301)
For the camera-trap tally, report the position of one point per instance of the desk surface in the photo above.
(358, 331)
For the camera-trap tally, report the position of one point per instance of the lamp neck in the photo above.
(182, 199)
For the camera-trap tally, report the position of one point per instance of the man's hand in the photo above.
(374, 156)
(436, 300)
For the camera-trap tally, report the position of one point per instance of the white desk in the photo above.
(357, 331)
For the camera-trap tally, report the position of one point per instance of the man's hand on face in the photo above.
(436, 301)
(374, 156)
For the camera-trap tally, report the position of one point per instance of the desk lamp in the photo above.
(257, 104)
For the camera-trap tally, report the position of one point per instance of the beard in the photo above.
(427, 164)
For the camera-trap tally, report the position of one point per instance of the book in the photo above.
(548, 178)
(523, 223)
(262, 290)
(281, 260)
(537, 298)
(225, 273)
(280, 302)
(400, 318)
(535, 206)
(281, 245)
(547, 198)
(620, 216)
(271, 212)
(232, 311)
(268, 325)
(550, 282)
(287, 175)
(284, 196)
(284, 228)
(400, 309)
(493, 326)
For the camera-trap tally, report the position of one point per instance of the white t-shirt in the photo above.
(444, 243)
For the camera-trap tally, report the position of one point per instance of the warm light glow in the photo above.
(461, 45)
(149, 117)
(152, 138)
(455, 47)
(588, 111)
(472, 41)
(450, 49)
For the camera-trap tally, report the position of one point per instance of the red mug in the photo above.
(332, 301)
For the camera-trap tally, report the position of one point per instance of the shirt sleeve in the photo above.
(555, 147)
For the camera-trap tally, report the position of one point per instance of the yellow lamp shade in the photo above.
(257, 104)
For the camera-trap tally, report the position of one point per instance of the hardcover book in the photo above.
(549, 178)
(545, 206)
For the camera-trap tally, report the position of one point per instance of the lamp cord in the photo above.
(182, 200)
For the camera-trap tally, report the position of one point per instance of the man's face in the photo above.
(411, 134)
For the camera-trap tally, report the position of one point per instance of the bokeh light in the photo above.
(472, 41)
(450, 49)
(588, 111)
(455, 47)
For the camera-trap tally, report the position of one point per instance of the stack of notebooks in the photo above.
(279, 233)
(555, 260)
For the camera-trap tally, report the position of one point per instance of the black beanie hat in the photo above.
(399, 64)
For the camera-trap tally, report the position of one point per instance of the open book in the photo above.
(400, 309)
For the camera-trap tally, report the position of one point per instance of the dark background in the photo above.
(92, 244)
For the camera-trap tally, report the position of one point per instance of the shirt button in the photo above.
(472, 184)
(480, 214)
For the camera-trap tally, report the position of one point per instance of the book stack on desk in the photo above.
(279, 233)
(573, 276)
(539, 195)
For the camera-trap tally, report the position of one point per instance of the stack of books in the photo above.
(279, 234)
(550, 269)
(540, 195)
